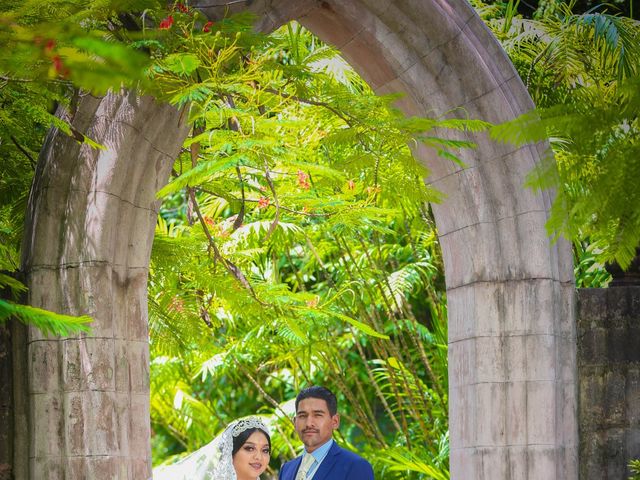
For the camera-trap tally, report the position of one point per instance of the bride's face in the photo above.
(253, 457)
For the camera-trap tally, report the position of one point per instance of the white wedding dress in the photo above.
(213, 461)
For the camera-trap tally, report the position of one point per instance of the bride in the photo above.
(241, 452)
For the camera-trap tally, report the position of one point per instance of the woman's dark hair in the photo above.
(322, 393)
(242, 438)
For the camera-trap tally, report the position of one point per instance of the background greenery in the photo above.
(295, 243)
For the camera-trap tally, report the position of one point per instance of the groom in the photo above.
(316, 419)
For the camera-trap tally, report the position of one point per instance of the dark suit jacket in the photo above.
(339, 464)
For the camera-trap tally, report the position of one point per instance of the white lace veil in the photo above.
(213, 461)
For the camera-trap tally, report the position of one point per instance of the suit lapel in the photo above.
(294, 470)
(327, 464)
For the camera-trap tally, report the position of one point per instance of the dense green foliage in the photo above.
(294, 248)
(634, 466)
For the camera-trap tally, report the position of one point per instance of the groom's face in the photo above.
(314, 423)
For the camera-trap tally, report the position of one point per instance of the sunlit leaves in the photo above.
(47, 322)
(296, 174)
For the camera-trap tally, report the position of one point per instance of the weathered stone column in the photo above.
(90, 225)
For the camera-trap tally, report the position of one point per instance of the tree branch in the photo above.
(26, 154)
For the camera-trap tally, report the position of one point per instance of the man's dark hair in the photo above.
(322, 393)
(242, 438)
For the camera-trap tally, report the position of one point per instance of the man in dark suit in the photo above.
(316, 419)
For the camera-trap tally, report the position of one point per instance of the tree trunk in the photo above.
(86, 249)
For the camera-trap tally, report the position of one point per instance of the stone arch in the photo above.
(510, 289)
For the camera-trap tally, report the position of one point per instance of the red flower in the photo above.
(207, 27)
(182, 7)
(57, 64)
(166, 23)
(263, 202)
(303, 180)
(50, 45)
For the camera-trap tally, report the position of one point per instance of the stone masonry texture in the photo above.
(609, 381)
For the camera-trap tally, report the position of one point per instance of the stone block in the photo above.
(492, 463)
(592, 456)
(463, 423)
(567, 431)
(498, 62)
(462, 362)
(490, 361)
(496, 308)
(96, 284)
(425, 84)
(632, 442)
(614, 450)
(567, 358)
(615, 398)
(541, 414)
(622, 346)
(88, 363)
(524, 250)
(592, 394)
(591, 308)
(531, 305)
(491, 402)
(515, 363)
(542, 357)
(380, 8)
(465, 193)
(331, 28)
(47, 468)
(140, 468)
(132, 367)
(503, 178)
(593, 347)
(516, 415)
(44, 363)
(461, 464)
(47, 432)
(569, 461)
(141, 238)
(97, 241)
(97, 468)
(542, 463)
(91, 424)
(140, 427)
(483, 261)
(459, 59)
(448, 21)
(517, 462)
(130, 303)
(633, 399)
(375, 69)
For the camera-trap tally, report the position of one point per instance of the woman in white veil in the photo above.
(241, 452)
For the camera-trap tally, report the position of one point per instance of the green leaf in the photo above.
(47, 322)
(182, 63)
